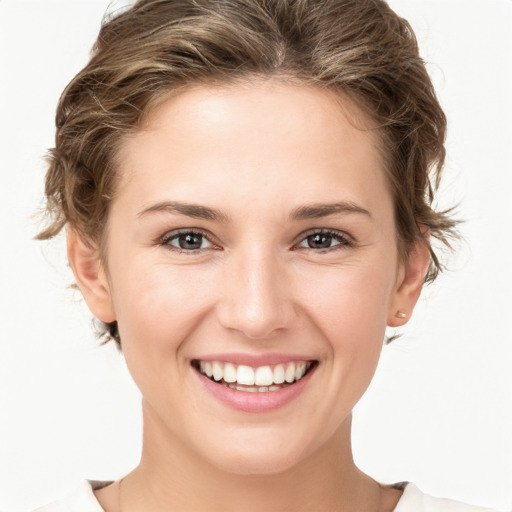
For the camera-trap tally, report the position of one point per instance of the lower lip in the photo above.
(257, 402)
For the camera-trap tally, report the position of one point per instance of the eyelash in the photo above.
(341, 238)
(175, 235)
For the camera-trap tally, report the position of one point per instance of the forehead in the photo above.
(262, 137)
(261, 103)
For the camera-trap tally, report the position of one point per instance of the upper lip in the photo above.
(238, 358)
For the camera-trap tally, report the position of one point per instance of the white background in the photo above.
(440, 409)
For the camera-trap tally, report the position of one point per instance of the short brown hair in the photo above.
(360, 48)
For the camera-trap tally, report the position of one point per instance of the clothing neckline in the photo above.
(409, 490)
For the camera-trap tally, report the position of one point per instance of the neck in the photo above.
(171, 477)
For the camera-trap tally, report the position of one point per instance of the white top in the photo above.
(412, 500)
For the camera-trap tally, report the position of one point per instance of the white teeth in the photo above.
(289, 375)
(218, 373)
(264, 376)
(208, 369)
(229, 373)
(253, 389)
(262, 379)
(300, 370)
(245, 375)
(279, 374)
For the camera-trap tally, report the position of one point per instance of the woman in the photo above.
(247, 194)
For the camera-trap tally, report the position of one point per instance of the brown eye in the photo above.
(188, 241)
(325, 240)
(319, 241)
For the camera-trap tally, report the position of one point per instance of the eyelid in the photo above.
(346, 239)
(169, 235)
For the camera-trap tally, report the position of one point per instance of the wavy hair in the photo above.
(359, 48)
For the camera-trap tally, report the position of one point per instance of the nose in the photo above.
(256, 297)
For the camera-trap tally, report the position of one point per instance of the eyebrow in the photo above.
(312, 211)
(315, 211)
(190, 210)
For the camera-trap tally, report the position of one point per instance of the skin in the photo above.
(255, 153)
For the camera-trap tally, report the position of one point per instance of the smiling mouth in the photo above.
(254, 380)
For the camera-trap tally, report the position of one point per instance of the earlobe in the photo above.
(409, 285)
(90, 276)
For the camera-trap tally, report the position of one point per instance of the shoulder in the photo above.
(82, 499)
(415, 500)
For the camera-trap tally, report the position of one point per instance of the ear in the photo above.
(90, 276)
(411, 277)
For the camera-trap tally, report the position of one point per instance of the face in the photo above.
(252, 269)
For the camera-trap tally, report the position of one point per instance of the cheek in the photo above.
(158, 306)
(157, 309)
(351, 311)
(351, 302)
